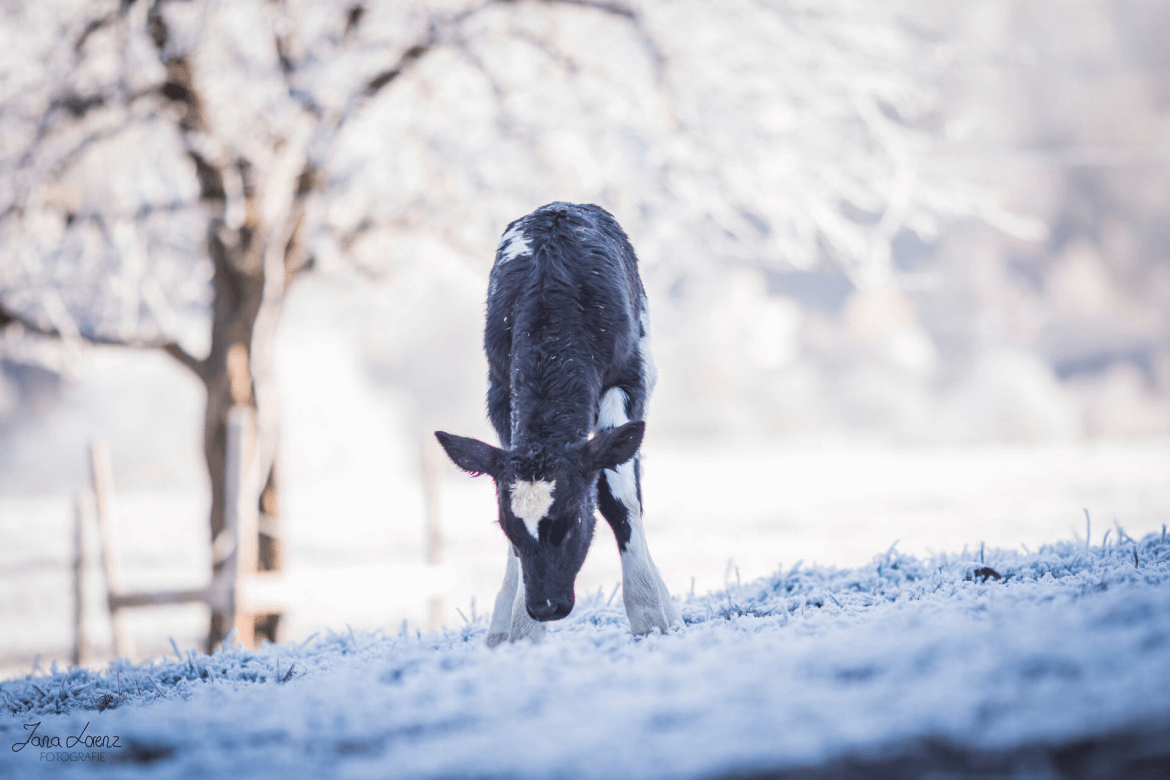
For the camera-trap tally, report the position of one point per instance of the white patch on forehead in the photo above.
(513, 244)
(531, 501)
(611, 410)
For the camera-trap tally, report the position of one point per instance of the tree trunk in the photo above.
(238, 287)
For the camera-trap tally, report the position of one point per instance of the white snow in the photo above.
(800, 668)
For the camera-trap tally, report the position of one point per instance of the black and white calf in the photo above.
(569, 375)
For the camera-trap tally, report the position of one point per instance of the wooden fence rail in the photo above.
(237, 588)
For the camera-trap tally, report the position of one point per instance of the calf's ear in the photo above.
(472, 455)
(615, 446)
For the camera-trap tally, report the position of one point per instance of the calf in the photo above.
(569, 374)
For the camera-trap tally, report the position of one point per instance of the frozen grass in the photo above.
(1044, 663)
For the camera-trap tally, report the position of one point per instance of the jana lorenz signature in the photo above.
(73, 742)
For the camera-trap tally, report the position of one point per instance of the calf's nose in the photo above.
(550, 609)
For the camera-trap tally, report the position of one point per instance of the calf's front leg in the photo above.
(647, 601)
(510, 618)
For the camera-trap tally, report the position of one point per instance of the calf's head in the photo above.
(546, 499)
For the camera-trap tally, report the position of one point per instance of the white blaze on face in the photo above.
(531, 501)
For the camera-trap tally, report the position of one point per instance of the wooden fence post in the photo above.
(432, 468)
(81, 504)
(102, 482)
(241, 520)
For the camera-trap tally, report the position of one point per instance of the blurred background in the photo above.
(908, 267)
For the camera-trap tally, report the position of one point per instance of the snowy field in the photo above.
(842, 622)
(992, 663)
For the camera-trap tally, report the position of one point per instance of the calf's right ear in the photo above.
(614, 446)
(472, 455)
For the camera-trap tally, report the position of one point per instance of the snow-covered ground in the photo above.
(991, 663)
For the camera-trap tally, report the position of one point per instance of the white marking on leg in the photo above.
(642, 586)
(513, 244)
(644, 593)
(624, 486)
(647, 600)
(673, 615)
(501, 625)
(523, 626)
(531, 502)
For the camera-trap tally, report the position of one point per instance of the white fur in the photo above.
(501, 626)
(531, 502)
(649, 370)
(646, 598)
(513, 244)
(510, 619)
(624, 486)
(647, 601)
(611, 411)
(523, 626)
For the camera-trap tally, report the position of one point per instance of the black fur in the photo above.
(563, 326)
(614, 512)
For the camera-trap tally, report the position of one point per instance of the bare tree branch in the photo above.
(616, 9)
(186, 359)
(97, 24)
(408, 58)
(440, 31)
(10, 317)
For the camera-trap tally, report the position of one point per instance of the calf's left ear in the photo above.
(610, 448)
(472, 455)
